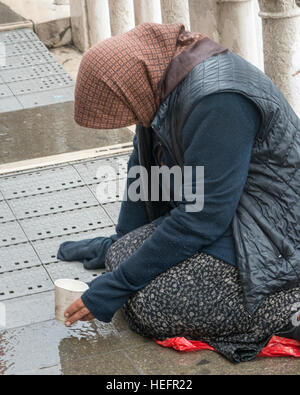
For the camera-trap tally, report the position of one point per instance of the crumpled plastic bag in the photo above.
(276, 347)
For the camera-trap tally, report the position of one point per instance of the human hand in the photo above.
(77, 312)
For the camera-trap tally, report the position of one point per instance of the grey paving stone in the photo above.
(55, 96)
(11, 233)
(47, 249)
(28, 310)
(45, 70)
(103, 169)
(33, 59)
(71, 270)
(111, 191)
(24, 87)
(9, 103)
(5, 91)
(113, 210)
(5, 213)
(16, 74)
(37, 182)
(19, 35)
(65, 223)
(52, 202)
(24, 282)
(18, 256)
(37, 85)
(24, 48)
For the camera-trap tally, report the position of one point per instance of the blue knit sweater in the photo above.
(219, 135)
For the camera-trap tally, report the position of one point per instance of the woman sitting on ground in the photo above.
(228, 272)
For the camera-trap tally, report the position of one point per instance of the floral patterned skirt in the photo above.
(201, 298)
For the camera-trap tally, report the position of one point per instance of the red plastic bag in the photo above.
(277, 346)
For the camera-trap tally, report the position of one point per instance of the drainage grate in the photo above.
(55, 179)
(11, 233)
(24, 282)
(47, 249)
(65, 223)
(72, 270)
(17, 257)
(53, 202)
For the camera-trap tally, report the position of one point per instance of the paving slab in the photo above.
(18, 256)
(52, 202)
(29, 310)
(38, 182)
(65, 223)
(5, 213)
(24, 282)
(36, 348)
(71, 270)
(11, 233)
(47, 248)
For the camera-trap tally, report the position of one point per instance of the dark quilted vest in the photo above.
(266, 224)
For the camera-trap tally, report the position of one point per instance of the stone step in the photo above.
(51, 21)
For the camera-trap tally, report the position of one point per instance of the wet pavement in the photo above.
(39, 209)
(50, 130)
(49, 348)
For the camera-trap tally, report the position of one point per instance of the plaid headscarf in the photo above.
(118, 80)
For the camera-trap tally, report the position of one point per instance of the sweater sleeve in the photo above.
(218, 135)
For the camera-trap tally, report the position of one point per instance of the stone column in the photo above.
(121, 16)
(174, 11)
(147, 11)
(204, 18)
(61, 2)
(237, 27)
(90, 22)
(281, 34)
(79, 23)
(98, 20)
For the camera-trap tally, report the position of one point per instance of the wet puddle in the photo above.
(50, 130)
(51, 348)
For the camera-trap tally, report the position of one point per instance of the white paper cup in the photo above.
(67, 292)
